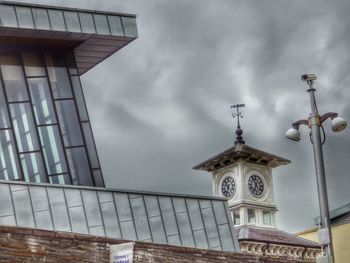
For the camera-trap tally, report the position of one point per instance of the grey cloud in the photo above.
(161, 105)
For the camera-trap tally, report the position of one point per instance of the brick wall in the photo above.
(31, 245)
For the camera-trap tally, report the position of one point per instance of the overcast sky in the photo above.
(162, 104)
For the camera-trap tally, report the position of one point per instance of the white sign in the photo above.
(121, 253)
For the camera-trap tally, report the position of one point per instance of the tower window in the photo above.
(251, 216)
(267, 217)
(236, 217)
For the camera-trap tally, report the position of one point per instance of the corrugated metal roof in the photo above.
(160, 218)
(93, 35)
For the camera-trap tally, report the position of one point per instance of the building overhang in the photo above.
(92, 35)
(337, 215)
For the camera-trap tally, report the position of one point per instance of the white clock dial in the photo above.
(228, 186)
(255, 185)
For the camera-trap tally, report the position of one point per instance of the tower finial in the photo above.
(239, 131)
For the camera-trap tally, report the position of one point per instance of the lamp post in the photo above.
(314, 122)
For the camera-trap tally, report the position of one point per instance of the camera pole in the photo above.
(314, 121)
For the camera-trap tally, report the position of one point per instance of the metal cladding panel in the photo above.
(169, 218)
(110, 218)
(92, 209)
(23, 208)
(210, 224)
(157, 228)
(183, 222)
(41, 207)
(155, 219)
(76, 211)
(201, 222)
(140, 218)
(98, 31)
(59, 210)
(6, 207)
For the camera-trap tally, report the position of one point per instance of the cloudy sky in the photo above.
(161, 105)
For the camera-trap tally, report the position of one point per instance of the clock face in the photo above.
(256, 185)
(228, 186)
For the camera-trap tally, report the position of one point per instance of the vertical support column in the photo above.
(320, 171)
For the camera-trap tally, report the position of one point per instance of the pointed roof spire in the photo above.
(239, 131)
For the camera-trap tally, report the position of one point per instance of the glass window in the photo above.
(33, 65)
(33, 167)
(8, 16)
(60, 179)
(87, 22)
(53, 151)
(98, 178)
(267, 218)
(90, 145)
(236, 217)
(24, 127)
(79, 166)
(101, 24)
(72, 21)
(13, 77)
(69, 123)
(130, 28)
(115, 24)
(9, 166)
(72, 66)
(251, 216)
(56, 20)
(24, 16)
(78, 92)
(42, 103)
(4, 119)
(41, 18)
(58, 77)
(45, 135)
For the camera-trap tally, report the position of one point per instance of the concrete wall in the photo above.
(341, 241)
(32, 245)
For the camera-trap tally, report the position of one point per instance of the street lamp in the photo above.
(314, 122)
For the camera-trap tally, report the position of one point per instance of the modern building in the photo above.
(243, 175)
(340, 224)
(50, 172)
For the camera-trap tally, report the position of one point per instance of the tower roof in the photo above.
(271, 235)
(241, 151)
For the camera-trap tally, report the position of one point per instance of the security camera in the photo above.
(308, 77)
(338, 124)
(293, 134)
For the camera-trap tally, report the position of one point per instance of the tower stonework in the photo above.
(244, 176)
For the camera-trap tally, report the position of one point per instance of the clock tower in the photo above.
(243, 175)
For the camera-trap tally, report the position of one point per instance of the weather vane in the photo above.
(239, 131)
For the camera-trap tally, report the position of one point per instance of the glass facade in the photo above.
(45, 133)
(251, 216)
(267, 218)
(236, 217)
